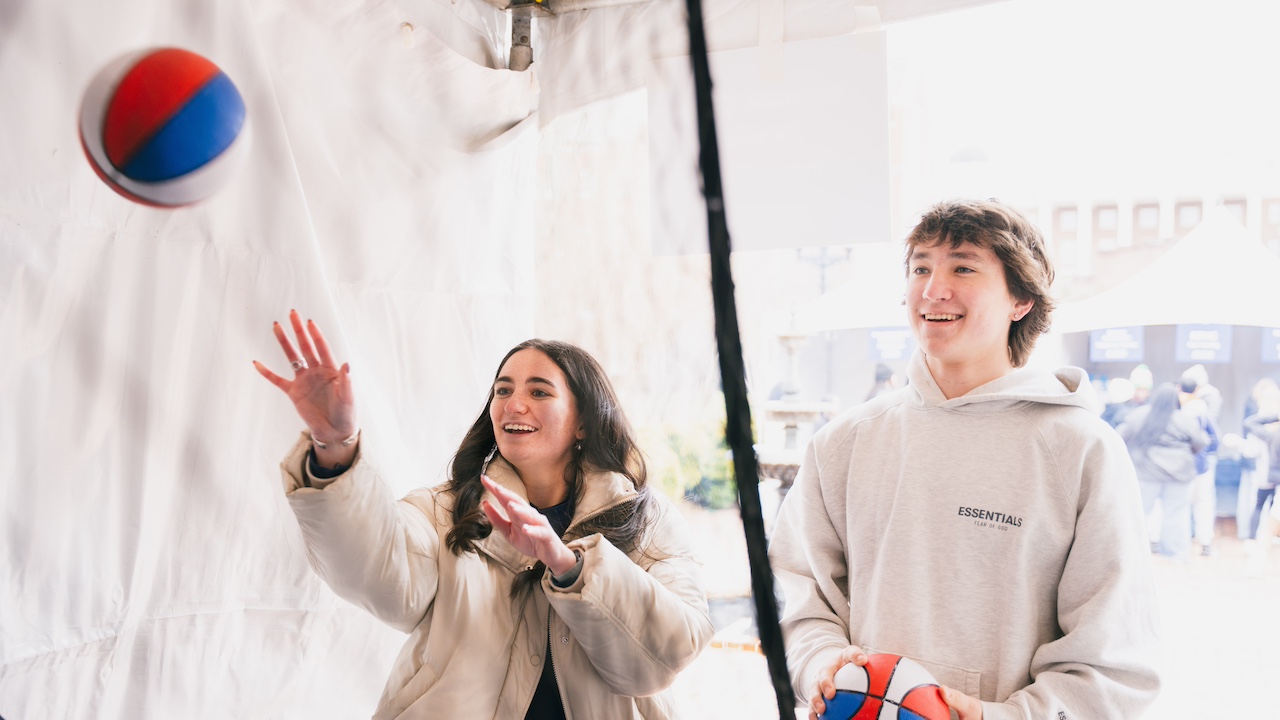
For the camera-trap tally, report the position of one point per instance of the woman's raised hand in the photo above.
(320, 390)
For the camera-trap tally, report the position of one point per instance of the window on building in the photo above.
(1065, 258)
(1065, 222)
(1106, 226)
(1271, 223)
(1146, 223)
(1186, 216)
(1237, 206)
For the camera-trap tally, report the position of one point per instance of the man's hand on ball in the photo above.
(968, 708)
(827, 683)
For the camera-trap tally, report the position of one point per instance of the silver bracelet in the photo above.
(345, 443)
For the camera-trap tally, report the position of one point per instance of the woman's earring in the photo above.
(484, 467)
(577, 446)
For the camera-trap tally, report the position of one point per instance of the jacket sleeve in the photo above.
(1257, 424)
(1131, 423)
(807, 552)
(638, 626)
(1105, 663)
(373, 551)
(1197, 435)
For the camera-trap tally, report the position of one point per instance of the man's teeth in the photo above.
(940, 316)
(518, 428)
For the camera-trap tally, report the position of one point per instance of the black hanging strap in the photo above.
(733, 376)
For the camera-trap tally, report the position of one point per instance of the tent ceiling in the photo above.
(889, 10)
(582, 57)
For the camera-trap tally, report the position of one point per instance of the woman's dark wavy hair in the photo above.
(1163, 403)
(608, 445)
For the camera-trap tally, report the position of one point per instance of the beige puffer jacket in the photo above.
(619, 635)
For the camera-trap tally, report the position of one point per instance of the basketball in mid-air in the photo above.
(888, 687)
(163, 127)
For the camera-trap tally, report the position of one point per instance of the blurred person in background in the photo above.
(1264, 525)
(885, 382)
(1119, 393)
(1163, 440)
(1264, 395)
(1258, 552)
(1263, 401)
(1265, 425)
(1142, 381)
(1205, 392)
(1135, 392)
(1204, 493)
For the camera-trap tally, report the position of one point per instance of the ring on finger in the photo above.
(299, 364)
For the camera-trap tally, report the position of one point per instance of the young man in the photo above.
(983, 520)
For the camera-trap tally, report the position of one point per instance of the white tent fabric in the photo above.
(1216, 274)
(804, 151)
(149, 565)
(586, 56)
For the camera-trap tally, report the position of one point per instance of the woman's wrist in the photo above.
(335, 453)
(333, 443)
(567, 560)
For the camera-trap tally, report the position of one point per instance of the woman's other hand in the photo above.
(320, 390)
(526, 529)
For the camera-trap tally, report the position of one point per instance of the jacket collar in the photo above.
(600, 491)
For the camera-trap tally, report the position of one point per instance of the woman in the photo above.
(585, 603)
(1163, 440)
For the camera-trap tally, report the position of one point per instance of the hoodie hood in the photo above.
(1065, 386)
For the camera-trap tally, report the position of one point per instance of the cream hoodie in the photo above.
(997, 538)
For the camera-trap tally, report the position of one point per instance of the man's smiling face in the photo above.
(959, 307)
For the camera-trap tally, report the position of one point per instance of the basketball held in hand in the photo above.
(888, 687)
(164, 127)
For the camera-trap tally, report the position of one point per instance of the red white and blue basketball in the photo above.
(888, 687)
(164, 127)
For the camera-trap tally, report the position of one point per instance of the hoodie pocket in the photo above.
(966, 681)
